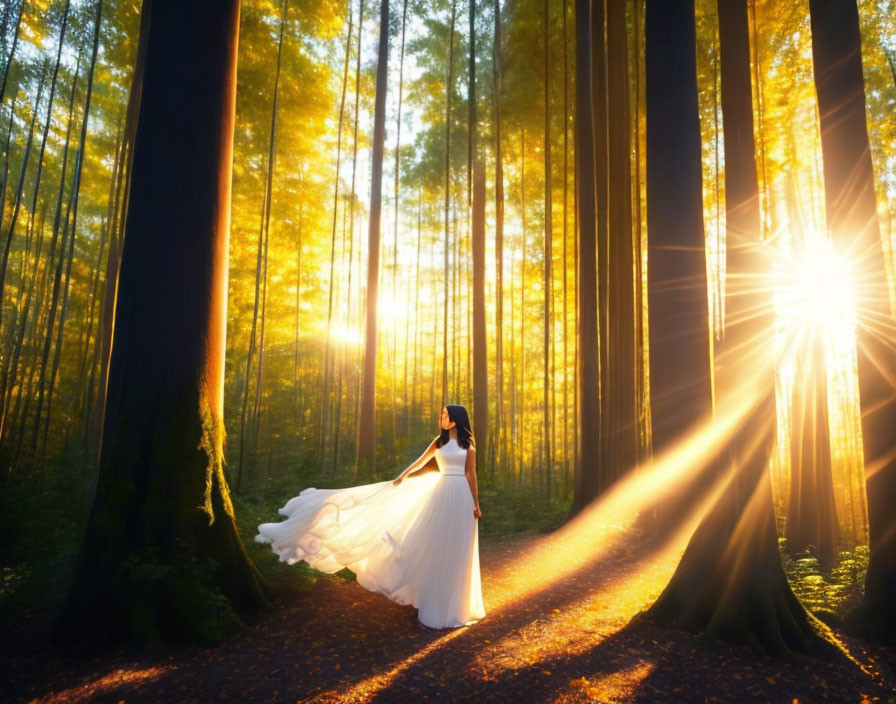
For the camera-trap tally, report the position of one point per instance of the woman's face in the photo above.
(445, 423)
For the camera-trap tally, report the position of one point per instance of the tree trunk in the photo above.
(161, 557)
(12, 51)
(21, 188)
(587, 476)
(811, 514)
(566, 385)
(407, 326)
(326, 380)
(851, 207)
(620, 446)
(480, 340)
(367, 429)
(600, 102)
(730, 583)
(76, 189)
(500, 432)
(116, 244)
(261, 270)
(548, 257)
(448, 86)
(680, 379)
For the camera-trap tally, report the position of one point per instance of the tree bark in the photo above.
(587, 475)
(548, 254)
(161, 558)
(448, 86)
(851, 208)
(620, 446)
(367, 429)
(325, 387)
(730, 583)
(811, 513)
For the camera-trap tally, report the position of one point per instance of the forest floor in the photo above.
(557, 630)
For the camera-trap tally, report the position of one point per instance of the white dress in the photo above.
(417, 543)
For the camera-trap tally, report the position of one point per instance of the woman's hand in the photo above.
(477, 512)
(396, 482)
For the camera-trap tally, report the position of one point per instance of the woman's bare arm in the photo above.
(418, 463)
(470, 472)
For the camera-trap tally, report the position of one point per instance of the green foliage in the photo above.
(184, 587)
(518, 510)
(834, 591)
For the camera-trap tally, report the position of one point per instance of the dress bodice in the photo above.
(451, 458)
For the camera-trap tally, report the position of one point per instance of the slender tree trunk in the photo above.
(325, 387)
(162, 506)
(811, 513)
(76, 189)
(12, 51)
(367, 430)
(21, 187)
(116, 245)
(566, 432)
(500, 433)
(620, 447)
(49, 120)
(404, 20)
(449, 84)
(261, 273)
(600, 102)
(548, 275)
(587, 475)
(480, 340)
(351, 250)
(851, 208)
(57, 279)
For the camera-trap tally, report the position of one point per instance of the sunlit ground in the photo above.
(106, 684)
(580, 584)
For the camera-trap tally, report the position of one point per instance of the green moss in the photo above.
(830, 593)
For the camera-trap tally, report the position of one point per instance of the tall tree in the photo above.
(480, 341)
(730, 583)
(811, 512)
(76, 189)
(548, 275)
(448, 88)
(367, 429)
(587, 476)
(261, 268)
(161, 546)
(680, 379)
(499, 434)
(851, 208)
(12, 51)
(620, 445)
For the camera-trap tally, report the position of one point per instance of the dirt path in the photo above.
(556, 630)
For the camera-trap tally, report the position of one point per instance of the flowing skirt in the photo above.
(417, 543)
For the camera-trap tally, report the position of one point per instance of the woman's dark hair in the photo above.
(461, 418)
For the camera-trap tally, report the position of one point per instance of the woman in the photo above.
(415, 541)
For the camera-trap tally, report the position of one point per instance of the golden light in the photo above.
(813, 286)
(346, 334)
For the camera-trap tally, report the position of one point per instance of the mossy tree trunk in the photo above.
(161, 558)
(851, 208)
(730, 583)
